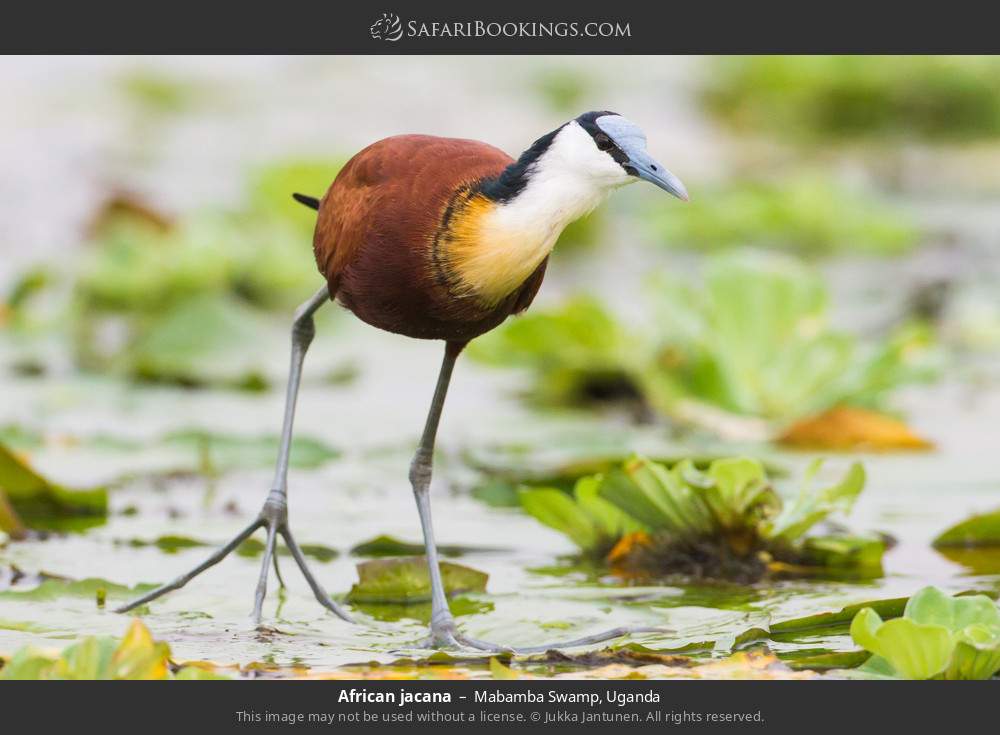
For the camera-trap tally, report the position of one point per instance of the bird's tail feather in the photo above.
(311, 202)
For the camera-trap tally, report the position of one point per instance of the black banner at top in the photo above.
(510, 27)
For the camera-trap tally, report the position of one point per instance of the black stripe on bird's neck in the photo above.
(515, 177)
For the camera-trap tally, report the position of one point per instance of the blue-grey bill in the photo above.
(655, 174)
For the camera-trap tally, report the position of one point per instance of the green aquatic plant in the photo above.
(727, 521)
(591, 522)
(849, 97)
(579, 353)
(980, 530)
(180, 304)
(938, 637)
(136, 656)
(406, 580)
(135, 266)
(29, 499)
(754, 338)
(750, 340)
(803, 214)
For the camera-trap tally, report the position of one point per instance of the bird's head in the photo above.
(611, 151)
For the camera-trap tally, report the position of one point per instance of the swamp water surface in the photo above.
(535, 594)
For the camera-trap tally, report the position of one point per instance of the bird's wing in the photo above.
(394, 193)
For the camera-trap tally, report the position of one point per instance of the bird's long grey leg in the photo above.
(274, 515)
(321, 596)
(221, 553)
(442, 622)
(443, 629)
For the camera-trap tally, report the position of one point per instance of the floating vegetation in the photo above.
(178, 299)
(406, 581)
(725, 523)
(384, 545)
(136, 656)
(981, 530)
(824, 98)
(53, 588)
(938, 637)
(973, 543)
(808, 215)
(221, 451)
(28, 499)
(746, 353)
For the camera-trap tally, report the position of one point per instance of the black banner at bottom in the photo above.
(387, 706)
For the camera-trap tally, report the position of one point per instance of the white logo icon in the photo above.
(387, 28)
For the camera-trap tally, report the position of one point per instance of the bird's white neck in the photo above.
(517, 233)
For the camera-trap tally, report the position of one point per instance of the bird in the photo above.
(440, 238)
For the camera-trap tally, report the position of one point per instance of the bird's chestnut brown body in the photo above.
(384, 232)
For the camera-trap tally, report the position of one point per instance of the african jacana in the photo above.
(443, 238)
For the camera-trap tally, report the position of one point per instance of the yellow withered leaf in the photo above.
(846, 427)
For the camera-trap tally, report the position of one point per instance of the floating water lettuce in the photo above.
(746, 353)
(938, 637)
(726, 522)
(828, 98)
(136, 656)
(804, 214)
(590, 521)
(754, 339)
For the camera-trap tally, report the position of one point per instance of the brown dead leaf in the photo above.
(846, 427)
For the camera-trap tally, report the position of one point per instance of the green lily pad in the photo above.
(255, 547)
(839, 620)
(53, 588)
(979, 530)
(169, 544)
(204, 340)
(385, 545)
(406, 580)
(232, 451)
(824, 661)
(421, 611)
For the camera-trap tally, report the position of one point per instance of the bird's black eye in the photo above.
(603, 142)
